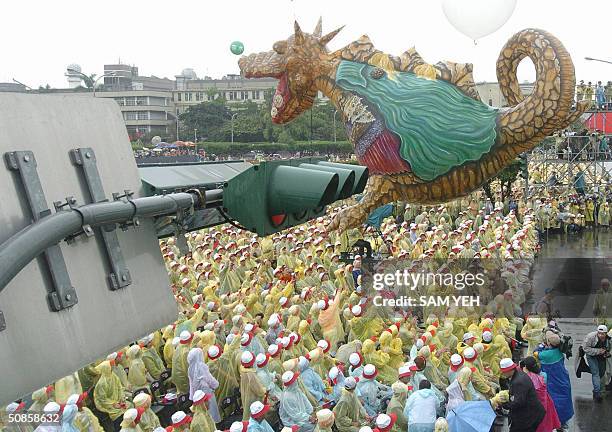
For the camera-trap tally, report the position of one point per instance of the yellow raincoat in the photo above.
(109, 395)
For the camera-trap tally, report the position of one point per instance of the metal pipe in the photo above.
(27, 244)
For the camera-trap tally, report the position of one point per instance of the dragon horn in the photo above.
(299, 35)
(329, 36)
(318, 28)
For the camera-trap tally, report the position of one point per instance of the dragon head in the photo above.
(295, 62)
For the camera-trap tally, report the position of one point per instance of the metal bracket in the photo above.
(62, 295)
(119, 277)
(2, 322)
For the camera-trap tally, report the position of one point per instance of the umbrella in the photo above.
(471, 416)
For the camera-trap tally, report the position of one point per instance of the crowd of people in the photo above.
(283, 333)
(600, 95)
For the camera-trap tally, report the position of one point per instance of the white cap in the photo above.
(354, 359)
(185, 336)
(356, 310)
(247, 358)
(213, 351)
(350, 383)
(404, 370)
(369, 371)
(273, 320)
(468, 336)
(245, 338)
(51, 408)
(283, 301)
(111, 356)
(132, 413)
(198, 395)
(456, 359)
(323, 344)
(365, 429)
(177, 417)
(321, 304)
(287, 377)
(273, 349)
(487, 336)
(209, 326)
(261, 358)
(210, 305)
(256, 407)
(506, 363)
(12, 407)
(237, 426)
(419, 343)
(469, 353)
(602, 329)
(333, 373)
(383, 421)
(249, 327)
(236, 318)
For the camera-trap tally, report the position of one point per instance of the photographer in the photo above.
(597, 348)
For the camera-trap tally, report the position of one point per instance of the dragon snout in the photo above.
(259, 65)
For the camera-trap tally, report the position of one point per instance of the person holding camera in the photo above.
(597, 349)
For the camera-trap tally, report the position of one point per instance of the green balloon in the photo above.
(237, 47)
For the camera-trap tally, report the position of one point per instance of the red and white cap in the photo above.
(487, 335)
(179, 418)
(247, 359)
(456, 362)
(169, 398)
(355, 359)
(324, 345)
(214, 352)
(506, 365)
(350, 383)
(185, 337)
(258, 409)
(262, 359)
(289, 377)
(274, 320)
(356, 310)
(273, 350)
(404, 371)
(283, 301)
(250, 327)
(185, 281)
(333, 374)
(470, 354)
(199, 397)
(369, 371)
(246, 339)
(385, 422)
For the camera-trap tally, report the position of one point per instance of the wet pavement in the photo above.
(574, 267)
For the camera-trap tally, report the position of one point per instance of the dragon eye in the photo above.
(280, 47)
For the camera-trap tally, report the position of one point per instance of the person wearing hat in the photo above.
(295, 408)
(336, 381)
(85, 419)
(180, 378)
(468, 340)
(349, 412)
(109, 393)
(421, 408)
(266, 376)
(558, 384)
(52, 409)
(200, 379)
(222, 365)
(180, 422)
(251, 389)
(148, 419)
(396, 406)
(202, 420)
(371, 391)
(325, 420)
(40, 398)
(457, 362)
(526, 410)
(257, 418)
(67, 386)
(597, 346)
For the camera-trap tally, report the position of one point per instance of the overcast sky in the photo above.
(40, 38)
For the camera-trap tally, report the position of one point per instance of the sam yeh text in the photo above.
(427, 301)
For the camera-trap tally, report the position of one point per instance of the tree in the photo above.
(209, 118)
(506, 177)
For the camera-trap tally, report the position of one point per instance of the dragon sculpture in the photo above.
(421, 129)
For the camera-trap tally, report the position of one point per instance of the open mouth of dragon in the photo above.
(281, 98)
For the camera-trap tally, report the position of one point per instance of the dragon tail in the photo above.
(550, 106)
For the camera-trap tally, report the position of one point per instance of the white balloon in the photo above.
(478, 18)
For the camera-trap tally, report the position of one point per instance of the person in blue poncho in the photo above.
(336, 380)
(421, 408)
(257, 421)
(313, 382)
(371, 392)
(295, 409)
(557, 377)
